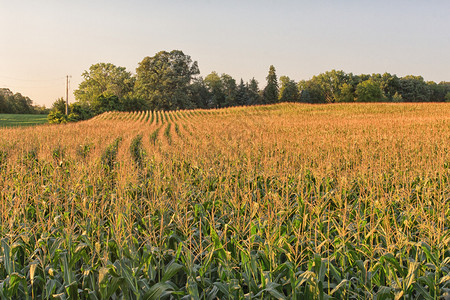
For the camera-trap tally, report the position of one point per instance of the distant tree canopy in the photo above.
(288, 91)
(11, 103)
(104, 80)
(338, 86)
(164, 79)
(169, 81)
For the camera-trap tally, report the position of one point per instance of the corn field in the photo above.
(288, 201)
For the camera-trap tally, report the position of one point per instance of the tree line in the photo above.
(171, 81)
(11, 103)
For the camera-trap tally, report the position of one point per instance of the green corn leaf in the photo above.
(7, 257)
(426, 295)
(2, 294)
(223, 288)
(50, 287)
(427, 249)
(14, 281)
(72, 290)
(68, 273)
(217, 244)
(394, 262)
(384, 292)
(271, 289)
(192, 289)
(334, 273)
(92, 295)
(171, 271)
(212, 293)
(113, 286)
(156, 291)
(319, 267)
(129, 278)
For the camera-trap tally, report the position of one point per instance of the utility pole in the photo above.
(67, 94)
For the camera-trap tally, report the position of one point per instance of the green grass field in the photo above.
(14, 120)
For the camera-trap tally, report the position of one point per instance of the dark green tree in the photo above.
(199, 93)
(15, 103)
(164, 79)
(104, 80)
(414, 89)
(311, 91)
(331, 82)
(288, 90)
(445, 91)
(242, 93)
(57, 113)
(271, 92)
(216, 90)
(390, 85)
(369, 91)
(3, 105)
(59, 105)
(229, 89)
(80, 111)
(347, 93)
(254, 96)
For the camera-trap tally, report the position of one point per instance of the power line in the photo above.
(37, 80)
(5, 85)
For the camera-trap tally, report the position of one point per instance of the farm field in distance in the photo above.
(17, 120)
(285, 201)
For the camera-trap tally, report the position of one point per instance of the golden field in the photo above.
(295, 201)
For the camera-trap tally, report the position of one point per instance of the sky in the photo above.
(43, 41)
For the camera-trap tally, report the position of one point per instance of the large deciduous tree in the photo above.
(164, 79)
(331, 83)
(288, 91)
(415, 89)
(216, 90)
(230, 89)
(199, 93)
(104, 80)
(369, 91)
(15, 103)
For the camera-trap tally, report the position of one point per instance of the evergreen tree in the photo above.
(270, 94)
(242, 93)
(253, 93)
(199, 93)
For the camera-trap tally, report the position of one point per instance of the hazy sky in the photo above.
(43, 41)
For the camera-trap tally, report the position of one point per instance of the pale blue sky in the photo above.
(42, 41)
